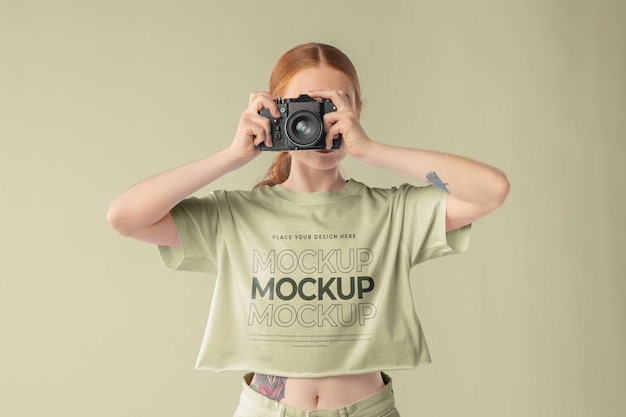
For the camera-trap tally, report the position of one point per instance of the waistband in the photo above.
(377, 404)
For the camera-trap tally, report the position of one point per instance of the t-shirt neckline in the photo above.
(315, 197)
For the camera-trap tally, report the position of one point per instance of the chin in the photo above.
(319, 159)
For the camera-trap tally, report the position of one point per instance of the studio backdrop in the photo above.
(98, 95)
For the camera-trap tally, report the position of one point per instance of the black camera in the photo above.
(301, 125)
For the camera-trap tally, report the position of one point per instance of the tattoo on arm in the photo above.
(271, 386)
(433, 179)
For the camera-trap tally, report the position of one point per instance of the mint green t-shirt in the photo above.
(312, 284)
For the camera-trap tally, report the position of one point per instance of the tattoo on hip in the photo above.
(270, 386)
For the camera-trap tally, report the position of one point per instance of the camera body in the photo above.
(301, 125)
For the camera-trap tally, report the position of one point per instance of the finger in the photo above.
(330, 119)
(258, 134)
(268, 133)
(338, 97)
(257, 128)
(344, 121)
(263, 124)
(260, 101)
(256, 94)
(266, 125)
(331, 134)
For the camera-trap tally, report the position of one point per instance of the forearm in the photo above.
(468, 180)
(150, 200)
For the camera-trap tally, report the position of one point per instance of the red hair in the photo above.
(292, 62)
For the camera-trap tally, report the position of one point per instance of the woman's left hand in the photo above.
(344, 122)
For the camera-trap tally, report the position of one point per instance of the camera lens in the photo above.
(304, 128)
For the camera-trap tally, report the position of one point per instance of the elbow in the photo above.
(116, 218)
(501, 189)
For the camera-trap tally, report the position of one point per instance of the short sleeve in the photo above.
(196, 221)
(425, 225)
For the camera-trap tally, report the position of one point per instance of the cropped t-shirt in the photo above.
(312, 284)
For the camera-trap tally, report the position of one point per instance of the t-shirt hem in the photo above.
(319, 374)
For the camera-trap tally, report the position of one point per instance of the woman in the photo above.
(312, 291)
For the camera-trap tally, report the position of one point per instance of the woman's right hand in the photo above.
(143, 211)
(254, 129)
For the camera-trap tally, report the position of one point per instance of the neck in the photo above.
(303, 180)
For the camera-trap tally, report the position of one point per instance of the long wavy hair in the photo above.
(289, 64)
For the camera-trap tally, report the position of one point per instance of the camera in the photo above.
(301, 125)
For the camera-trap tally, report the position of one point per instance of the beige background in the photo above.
(96, 95)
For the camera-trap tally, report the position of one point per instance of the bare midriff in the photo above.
(318, 393)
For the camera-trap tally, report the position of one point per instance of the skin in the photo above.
(317, 171)
(474, 190)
